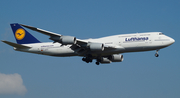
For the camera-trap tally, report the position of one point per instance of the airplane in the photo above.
(104, 50)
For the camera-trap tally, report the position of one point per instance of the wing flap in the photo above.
(15, 45)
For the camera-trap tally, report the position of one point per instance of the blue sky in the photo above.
(140, 75)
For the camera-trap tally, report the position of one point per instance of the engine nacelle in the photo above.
(104, 60)
(65, 40)
(96, 46)
(68, 40)
(116, 58)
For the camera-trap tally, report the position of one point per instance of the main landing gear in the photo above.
(156, 55)
(87, 58)
(97, 63)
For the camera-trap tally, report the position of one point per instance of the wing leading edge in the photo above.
(51, 34)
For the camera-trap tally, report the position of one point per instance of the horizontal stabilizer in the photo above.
(15, 45)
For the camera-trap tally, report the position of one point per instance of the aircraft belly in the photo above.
(53, 51)
(144, 48)
(107, 52)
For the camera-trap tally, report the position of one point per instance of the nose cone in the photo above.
(172, 40)
(168, 41)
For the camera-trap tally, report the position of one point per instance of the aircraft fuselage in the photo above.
(122, 43)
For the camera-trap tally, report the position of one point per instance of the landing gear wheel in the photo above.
(97, 63)
(87, 60)
(156, 55)
(83, 59)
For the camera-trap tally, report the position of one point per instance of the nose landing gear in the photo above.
(157, 55)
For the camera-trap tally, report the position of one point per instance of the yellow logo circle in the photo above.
(20, 33)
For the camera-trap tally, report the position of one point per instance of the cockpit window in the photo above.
(161, 34)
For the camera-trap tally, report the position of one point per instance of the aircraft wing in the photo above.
(41, 30)
(51, 34)
(55, 37)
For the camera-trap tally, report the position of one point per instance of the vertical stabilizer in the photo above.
(22, 36)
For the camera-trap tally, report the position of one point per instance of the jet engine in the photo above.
(116, 58)
(104, 60)
(68, 40)
(65, 40)
(96, 46)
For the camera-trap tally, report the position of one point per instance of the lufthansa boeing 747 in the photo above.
(103, 50)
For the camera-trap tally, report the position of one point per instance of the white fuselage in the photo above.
(120, 44)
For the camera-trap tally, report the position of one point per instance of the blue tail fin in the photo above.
(22, 36)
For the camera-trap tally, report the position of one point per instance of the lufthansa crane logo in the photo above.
(20, 34)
